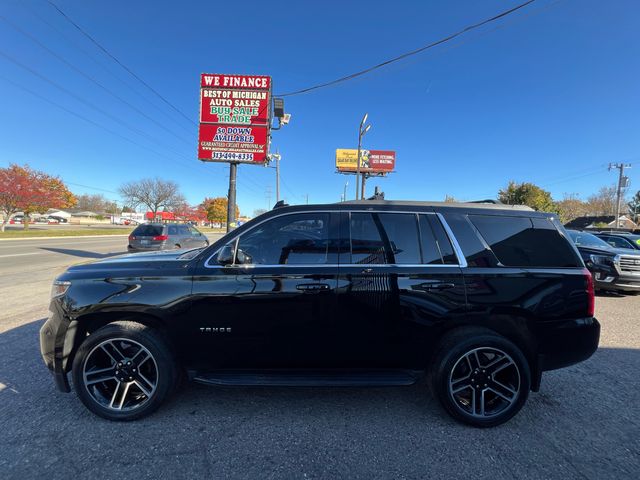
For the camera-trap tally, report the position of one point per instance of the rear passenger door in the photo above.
(397, 284)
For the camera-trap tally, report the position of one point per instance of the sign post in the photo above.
(235, 124)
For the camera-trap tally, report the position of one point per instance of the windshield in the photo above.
(582, 239)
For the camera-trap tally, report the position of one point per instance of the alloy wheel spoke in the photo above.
(99, 375)
(149, 385)
(119, 387)
(142, 388)
(473, 360)
(503, 391)
(499, 364)
(460, 384)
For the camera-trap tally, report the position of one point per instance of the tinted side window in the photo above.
(430, 251)
(173, 230)
(147, 230)
(475, 252)
(525, 242)
(291, 239)
(401, 230)
(442, 241)
(367, 246)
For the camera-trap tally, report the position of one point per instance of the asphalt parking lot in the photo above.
(584, 423)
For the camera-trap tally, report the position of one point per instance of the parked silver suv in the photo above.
(165, 236)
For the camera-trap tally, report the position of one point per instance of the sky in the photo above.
(547, 95)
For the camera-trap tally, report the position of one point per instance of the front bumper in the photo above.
(627, 283)
(56, 345)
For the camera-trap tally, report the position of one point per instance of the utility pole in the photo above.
(277, 157)
(361, 131)
(364, 180)
(623, 182)
(231, 199)
(344, 194)
(307, 195)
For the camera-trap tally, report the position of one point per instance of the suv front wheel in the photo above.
(124, 371)
(481, 379)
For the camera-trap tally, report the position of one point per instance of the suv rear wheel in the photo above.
(480, 378)
(124, 371)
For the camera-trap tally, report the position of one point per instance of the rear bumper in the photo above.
(153, 248)
(56, 344)
(567, 342)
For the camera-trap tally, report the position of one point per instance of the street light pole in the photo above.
(361, 131)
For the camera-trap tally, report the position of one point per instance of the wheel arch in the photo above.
(89, 323)
(516, 328)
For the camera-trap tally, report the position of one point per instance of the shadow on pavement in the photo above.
(582, 424)
(81, 253)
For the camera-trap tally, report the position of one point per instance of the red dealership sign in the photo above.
(232, 143)
(234, 118)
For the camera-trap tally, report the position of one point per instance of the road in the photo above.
(585, 422)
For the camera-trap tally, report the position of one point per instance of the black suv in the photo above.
(481, 298)
(616, 269)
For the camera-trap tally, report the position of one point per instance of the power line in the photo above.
(74, 95)
(408, 54)
(103, 49)
(96, 124)
(89, 77)
(73, 43)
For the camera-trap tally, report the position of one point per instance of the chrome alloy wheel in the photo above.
(120, 374)
(484, 382)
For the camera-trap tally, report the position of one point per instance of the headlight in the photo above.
(601, 259)
(59, 288)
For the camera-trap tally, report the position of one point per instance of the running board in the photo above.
(309, 378)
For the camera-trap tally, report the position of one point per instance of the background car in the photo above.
(620, 239)
(165, 236)
(616, 269)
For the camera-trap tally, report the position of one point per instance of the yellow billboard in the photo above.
(371, 161)
(347, 159)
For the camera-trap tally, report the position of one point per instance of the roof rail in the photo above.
(488, 200)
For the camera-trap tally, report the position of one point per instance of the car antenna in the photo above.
(279, 204)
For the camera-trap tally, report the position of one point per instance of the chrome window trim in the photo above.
(462, 260)
(456, 247)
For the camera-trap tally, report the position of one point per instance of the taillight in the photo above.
(591, 293)
(161, 238)
(131, 237)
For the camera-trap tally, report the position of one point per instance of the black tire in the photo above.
(465, 357)
(137, 395)
(177, 246)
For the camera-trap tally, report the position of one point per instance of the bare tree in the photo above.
(153, 193)
(603, 202)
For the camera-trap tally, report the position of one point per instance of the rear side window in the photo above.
(147, 230)
(399, 238)
(474, 249)
(443, 244)
(525, 242)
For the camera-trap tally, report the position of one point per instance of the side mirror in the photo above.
(225, 255)
(243, 258)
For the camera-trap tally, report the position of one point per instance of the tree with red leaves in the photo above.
(29, 191)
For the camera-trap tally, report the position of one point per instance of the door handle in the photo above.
(312, 287)
(437, 286)
(367, 270)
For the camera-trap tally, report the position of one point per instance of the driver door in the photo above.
(264, 301)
